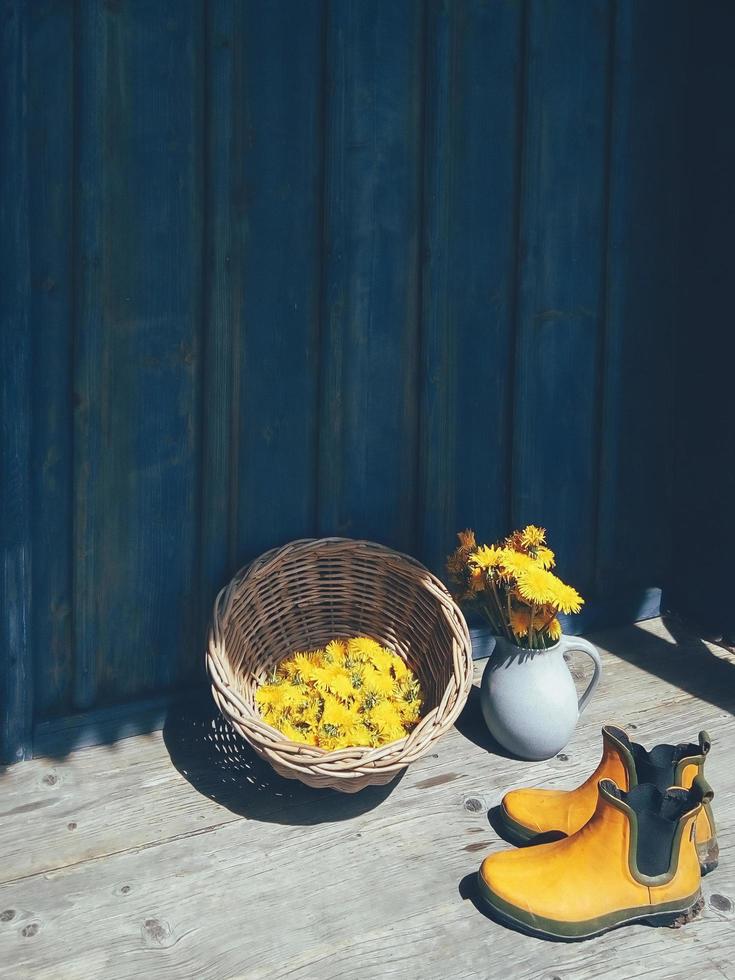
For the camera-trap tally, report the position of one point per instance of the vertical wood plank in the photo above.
(474, 100)
(278, 211)
(562, 284)
(88, 327)
(222, 293)
(138, 347)
(704, 413)
(16, 670)
(51, 156)
(368, 444)
(645, 230)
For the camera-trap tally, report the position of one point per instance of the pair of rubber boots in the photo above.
(628, 845)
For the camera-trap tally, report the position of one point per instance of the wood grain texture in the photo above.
(645, 201)
(277, 268)
(87, 345)
(222, 295)
(278, 210)
(562, 264)
(50, 134)
(373, 130)
(138, 348)
(472, 152)
(704, 414)
(130, 880)
(16, 663)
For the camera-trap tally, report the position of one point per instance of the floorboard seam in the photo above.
(199, 832)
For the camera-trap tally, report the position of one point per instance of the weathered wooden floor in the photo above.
(180, 855)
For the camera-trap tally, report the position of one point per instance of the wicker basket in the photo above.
(309, 592)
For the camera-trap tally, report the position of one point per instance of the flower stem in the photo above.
(506, 626)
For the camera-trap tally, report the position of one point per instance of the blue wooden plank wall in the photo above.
(276, 268)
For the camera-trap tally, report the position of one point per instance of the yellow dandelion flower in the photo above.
(339, 682)
(299, 667)
(554, 630)
(337, 713)
(377, 682)
(563, 597)
(409, 711)
(271, 696)
(532, 536)
(385, 717)
(322, 677)
(309, 714)
(519, 621)
(286, 669)
(369, 700)
(353, 692)
(292, 696)
(381, 659)
(478, 579)
(400, 668)
(395, 732)
(486, 556)
(408, 692)
(545, 557)
(359, 735)
(270, 715)
(276, 717)
(363, 648)
(336, 648)
(535, 585)
(328, 737)
(514, 562)
(293, 733)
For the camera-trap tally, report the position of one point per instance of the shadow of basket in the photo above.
(222, 766)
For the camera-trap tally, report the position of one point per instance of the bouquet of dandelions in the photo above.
(352, 692)
(511, 583)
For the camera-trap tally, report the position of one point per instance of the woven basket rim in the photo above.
(355, 762)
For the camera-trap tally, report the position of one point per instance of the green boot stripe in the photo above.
(690, 760)
(584, 928)
(519, 830)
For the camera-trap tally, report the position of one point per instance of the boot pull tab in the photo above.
(705, 742)
(701, 790)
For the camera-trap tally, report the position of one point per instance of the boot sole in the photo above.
(708, 853)
(672, 915)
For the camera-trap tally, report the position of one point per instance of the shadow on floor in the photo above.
(495, 820)
(687, 663)
(221, 765)
(472, 725)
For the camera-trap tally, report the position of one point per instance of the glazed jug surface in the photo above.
(529, 701)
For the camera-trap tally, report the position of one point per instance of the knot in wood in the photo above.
(156, 932)
(473, 805)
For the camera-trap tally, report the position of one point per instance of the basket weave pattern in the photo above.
(306, 593)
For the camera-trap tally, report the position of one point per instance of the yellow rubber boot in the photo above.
(634, 860)
(529, 814)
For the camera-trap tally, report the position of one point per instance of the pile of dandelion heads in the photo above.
(512, 583)
(350, 693)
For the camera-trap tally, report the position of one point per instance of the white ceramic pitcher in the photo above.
(528, 697)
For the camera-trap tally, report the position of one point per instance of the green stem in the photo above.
(508, 633)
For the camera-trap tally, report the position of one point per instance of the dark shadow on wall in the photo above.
(221, 765)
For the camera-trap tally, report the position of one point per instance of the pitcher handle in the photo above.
(577, 643)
